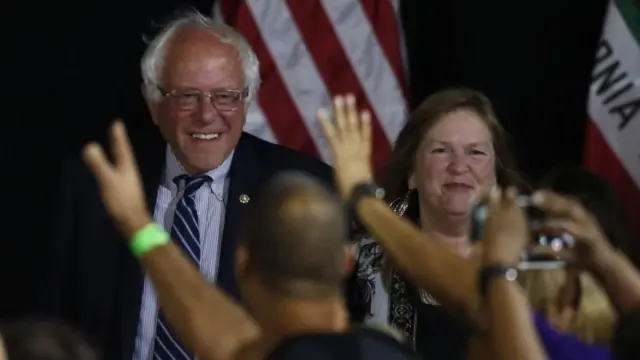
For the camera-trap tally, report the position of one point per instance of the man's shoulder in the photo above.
(276, 158)
(76, 188)
(356, 344)
(74, 172)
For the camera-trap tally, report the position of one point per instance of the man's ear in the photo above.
(349, 256)
(242, 261)
(151, 104)
(3, 352)
(144, 92)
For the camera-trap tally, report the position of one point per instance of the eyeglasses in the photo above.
(222, 100)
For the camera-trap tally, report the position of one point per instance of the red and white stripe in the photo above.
(613, 148)
(312, 50)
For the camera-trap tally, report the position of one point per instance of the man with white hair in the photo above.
(199, 78)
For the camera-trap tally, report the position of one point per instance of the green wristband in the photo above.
(148, 238)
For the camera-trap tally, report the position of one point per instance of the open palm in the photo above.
(349, 137)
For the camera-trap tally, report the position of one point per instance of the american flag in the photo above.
(312, 50)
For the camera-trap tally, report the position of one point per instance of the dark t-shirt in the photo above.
(441, 334)
(361, 344)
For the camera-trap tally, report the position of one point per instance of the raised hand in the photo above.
(120, 185)
(350, 139)
(505, 233)
(569, 216)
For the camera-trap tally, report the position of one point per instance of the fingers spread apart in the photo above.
(348, 121)
(120, 145)
(97, 161)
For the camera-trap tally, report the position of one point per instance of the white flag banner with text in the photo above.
(613, 132)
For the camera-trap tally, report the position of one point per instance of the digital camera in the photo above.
(554, 242)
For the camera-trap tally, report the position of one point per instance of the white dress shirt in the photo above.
(210, 202)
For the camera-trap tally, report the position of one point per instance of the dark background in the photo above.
(72, 66)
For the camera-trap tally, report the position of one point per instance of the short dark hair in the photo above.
(598, 196)
(295, 234)
(44, 340)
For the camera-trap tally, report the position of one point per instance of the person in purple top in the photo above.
(559, 345)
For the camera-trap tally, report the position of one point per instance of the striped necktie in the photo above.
(185, 235)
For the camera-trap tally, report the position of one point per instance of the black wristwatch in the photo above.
(490, 272)
(365, 189)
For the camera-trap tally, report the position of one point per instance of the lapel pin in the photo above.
(244, 198)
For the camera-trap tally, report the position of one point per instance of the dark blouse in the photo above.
(440, 334)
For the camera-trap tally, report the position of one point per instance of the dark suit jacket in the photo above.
(94, 283)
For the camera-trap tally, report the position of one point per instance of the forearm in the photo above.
(429, 265)
(511, 329)
(620, 279)
(206, 320)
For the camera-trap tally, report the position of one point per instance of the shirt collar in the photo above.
(173, 168)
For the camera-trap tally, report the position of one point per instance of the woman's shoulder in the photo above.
(365, 241)
(561, 345)
(368, 255)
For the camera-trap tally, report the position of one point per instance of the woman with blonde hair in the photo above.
(572, 300)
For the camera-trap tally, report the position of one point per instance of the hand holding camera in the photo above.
(558, 231)
(504, 229)
(566, 217)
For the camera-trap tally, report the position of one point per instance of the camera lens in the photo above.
(479, 214)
